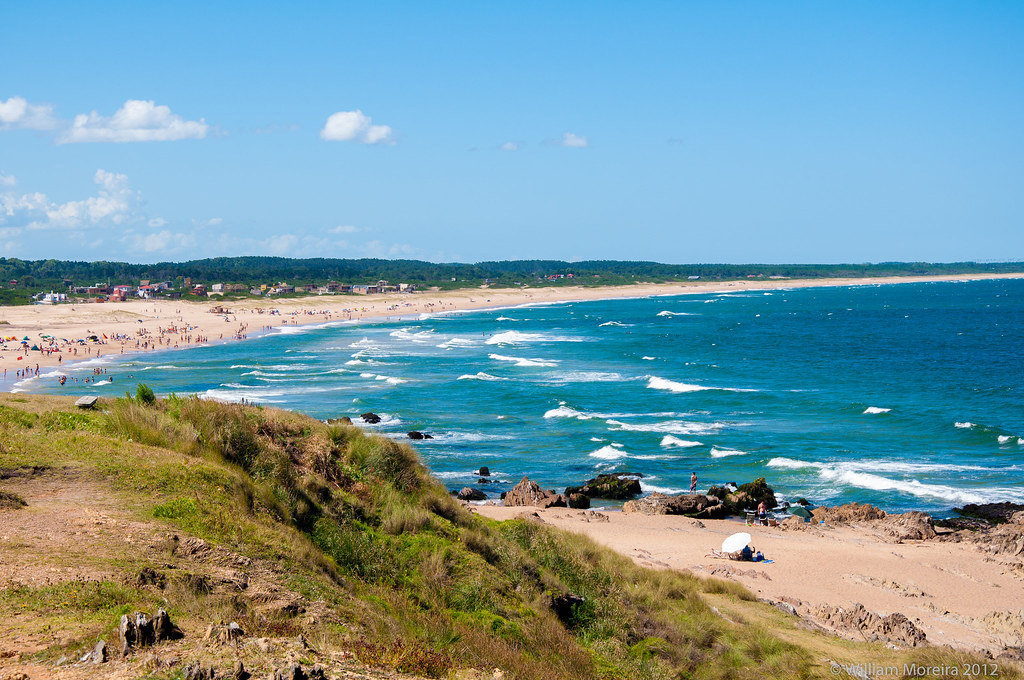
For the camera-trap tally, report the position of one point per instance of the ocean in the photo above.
(905, 396)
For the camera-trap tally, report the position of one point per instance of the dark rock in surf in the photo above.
(616, 486)
(468, 493)
(370, 417)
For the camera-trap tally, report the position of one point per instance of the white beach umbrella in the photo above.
(736, 542)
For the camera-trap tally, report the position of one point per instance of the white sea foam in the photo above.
(855, 474)
(585, 377)
(597, 439)
(614, 323)
(480, 376)
(668, 441)
(386, 420)
(647, 358)
(669, 427)
(651, 488)
(656, 383)
(609, 453)
(564, 411)
(725, 453)
(668, 313)
(413, 335)
(876, 409)
(457, 342)
(506, 318)
(456, 437)
(518, 338)
(963, 425)
(1006, 439)
(523, 362)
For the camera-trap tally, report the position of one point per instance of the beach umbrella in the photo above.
(25, 338)
(736, 542)
(800, 512)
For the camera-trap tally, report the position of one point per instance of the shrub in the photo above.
(144, 395)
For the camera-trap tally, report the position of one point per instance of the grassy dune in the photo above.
(347, 540)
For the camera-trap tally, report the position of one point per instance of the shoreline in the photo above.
(152, 325)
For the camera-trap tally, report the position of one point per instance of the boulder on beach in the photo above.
(468, 493)
(578, 500)
(863, 624)
(912, 525)
(851, 512)
(691, 505)
(527, 492)
(615, 486)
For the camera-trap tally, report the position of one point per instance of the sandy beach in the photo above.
(146, 325)
(955, 593)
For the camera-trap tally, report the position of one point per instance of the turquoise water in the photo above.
(905, 396)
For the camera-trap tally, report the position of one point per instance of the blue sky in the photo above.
(669, 131)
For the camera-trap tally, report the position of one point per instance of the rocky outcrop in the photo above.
(746, 496)
(416, 434)
(484, 471)
(794, 523)
(691, 505)
(911, 525)
(137, 630)
(468, 493)
(344, 420)
(617, 486)
(993, 513)
(859, 623)
(225, 635)
(527, 492)
(578, 501)
(370, 417)
(296, 672)
(851, 512)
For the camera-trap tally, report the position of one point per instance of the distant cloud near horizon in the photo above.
(136, 121)
(574, 141)
(16, 112)
(355, 126)
(510, 146)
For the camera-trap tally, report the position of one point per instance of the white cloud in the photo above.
(343, 229)
(162, 241)
(355, 126)
(157, 222)
(136, 121)
(7, 180)
(18, 113)
(510, 146)
(574, 141)
(114, 204)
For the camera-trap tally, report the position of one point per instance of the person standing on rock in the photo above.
(693, 482)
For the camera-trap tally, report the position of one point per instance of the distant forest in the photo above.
(33, 276)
